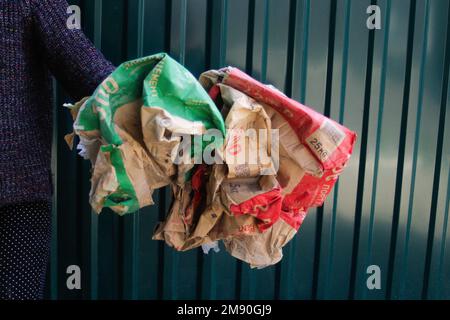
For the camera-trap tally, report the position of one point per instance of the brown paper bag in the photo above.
(144, 175)
(103, 182)
(185, 214)
(175, 229)
(248, 143)
(262, 249)
(215, 222)
(160, 130)
(231, 183)
(295, 158)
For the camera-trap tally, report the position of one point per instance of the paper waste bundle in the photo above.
(244, 161)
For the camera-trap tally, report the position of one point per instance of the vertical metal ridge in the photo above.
(379, 129)
(345, 61)
(206, 286)
(250, 36)
(126, 48)
(125, 30)
(213, 277)
(130, 225)
(327, 108)
(200, 271)
(341, 113)
(206, 275)
(290, 46)
(169, 259)
(288, 91)
(306, 10)
(209, 35)
(265, 41)
(77, 207)
(402, 146)
(444, 239)
(438, 162)
(135, 257)
(140, 28)
(98, 13)
(168, 25)
(179, 9)
(182, 31)
(362, 157)
(416, 147)
(378, 137)
(161, 245)
(223, 32)
(94, 217)
(136, 218)
(330, 57)
(121, 262)
(238, 280)
(79, 250)
(94, 256)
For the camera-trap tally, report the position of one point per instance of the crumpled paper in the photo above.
(277, 158)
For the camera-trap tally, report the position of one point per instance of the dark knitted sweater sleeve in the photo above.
(68, 53)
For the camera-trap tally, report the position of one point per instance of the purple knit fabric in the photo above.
(34, 42)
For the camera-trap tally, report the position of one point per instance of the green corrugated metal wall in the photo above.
(390, 207)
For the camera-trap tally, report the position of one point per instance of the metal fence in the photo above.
(390, 207)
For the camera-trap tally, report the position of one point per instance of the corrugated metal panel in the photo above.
(391, 206)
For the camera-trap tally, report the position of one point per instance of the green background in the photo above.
(391, 205)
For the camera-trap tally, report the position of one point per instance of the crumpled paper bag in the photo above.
(126, 130)
(261, 249)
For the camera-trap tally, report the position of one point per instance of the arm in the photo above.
(69, 54)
